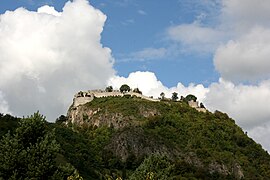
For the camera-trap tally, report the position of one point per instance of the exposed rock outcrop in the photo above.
(98, 117)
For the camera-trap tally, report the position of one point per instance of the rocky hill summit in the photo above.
(165, 139)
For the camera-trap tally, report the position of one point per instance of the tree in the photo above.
(109, 89)
(201, 105)
(191, 97)
(124, 88)
(174, 96)
(61, 119)
(153, 167)
(162, 95)
(30, 152)
(136, 90)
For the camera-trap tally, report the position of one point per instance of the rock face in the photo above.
(99, 117)
(82, 115)
(135, 143)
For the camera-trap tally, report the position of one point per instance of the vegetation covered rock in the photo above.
(132, 138)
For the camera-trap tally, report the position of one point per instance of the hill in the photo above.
(133, 138)
(130, 132)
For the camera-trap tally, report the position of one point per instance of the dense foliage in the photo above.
(30, 152)
(167, 140)
(7, 123)
(124, 88)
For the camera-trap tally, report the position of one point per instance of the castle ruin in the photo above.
(82, 98)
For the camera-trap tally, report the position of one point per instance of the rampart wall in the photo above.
(84, 97)
(194, 104)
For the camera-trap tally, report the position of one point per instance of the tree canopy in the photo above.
(174, 96)
(136, 90)
(30, 152)
(109, 89)
(191, 97)
(124, 88)
(162, 95)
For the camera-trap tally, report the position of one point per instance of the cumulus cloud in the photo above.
(244, 58)
(261, 134)
(237, 14)
(247, 58)
(47, 56)
(247, 104)
(48, 10)
(4, 108)
(148, 83)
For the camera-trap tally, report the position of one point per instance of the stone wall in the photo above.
(193, 104)
(81, 100)
(84, 97)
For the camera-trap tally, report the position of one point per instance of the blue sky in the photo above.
(215, 49)
(133, 26)
(136, 25)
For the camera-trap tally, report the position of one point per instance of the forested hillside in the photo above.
(132, 138)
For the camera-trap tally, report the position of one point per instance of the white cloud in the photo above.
(261, 134)
(247, 104)
(196, 38)
(246, 58)
(48, 10)
(241, 15)
(45, 58)
(4, 108)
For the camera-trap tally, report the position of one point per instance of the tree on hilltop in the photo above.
(162, 95)
(136, 90)
(202, 105)
(109, 89)
(190, 97)
(174, 96)
(124, 88)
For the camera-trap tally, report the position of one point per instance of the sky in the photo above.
(217, 50)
